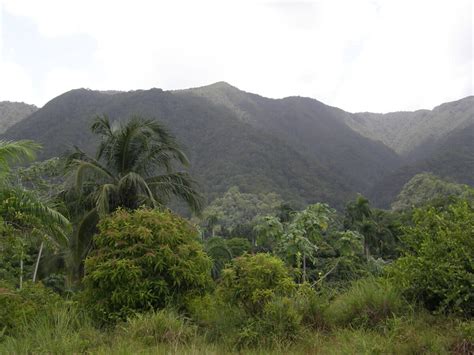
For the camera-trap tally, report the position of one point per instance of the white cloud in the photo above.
(357, 55)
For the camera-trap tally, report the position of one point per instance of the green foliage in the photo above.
(303, 236)
(14, 152)
(19, 306)
(425, 187)
(163, 326)
(269, 232)
(145, 259)
(219, 252)
(238, 246)
(135, 165)
(437, 265)
(61, 329)
(251, 281)
(236, 208)
(367, 303)
(380, 229)
(278, 326)
(219, 320)
(46, 177)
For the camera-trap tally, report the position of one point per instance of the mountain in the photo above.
(298, 147)
(415, 134)
(317, 130)
(452, 158)
(13, 112)
(425, 187)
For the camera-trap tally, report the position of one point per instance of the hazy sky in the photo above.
(359, 55)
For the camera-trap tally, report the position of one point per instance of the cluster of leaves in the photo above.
(252, 280)
(424, 188)
(221, 251)
(27, 220)
(145, 259)
(235, 212)
(312, 242)
(437, 265)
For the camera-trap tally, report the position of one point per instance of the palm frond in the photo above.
(94, 168)
(16, 151)
(52, 221)
(178, 184)
(134, 191)
(107, 193)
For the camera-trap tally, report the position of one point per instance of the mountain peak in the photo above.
(221, 85)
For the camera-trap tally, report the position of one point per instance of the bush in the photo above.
(164, 326)
(278, 326)
(252, 280)
(143, 260)
(219, 320)
(18, 307)
(312, 305)
(368, 303)
(437, 267)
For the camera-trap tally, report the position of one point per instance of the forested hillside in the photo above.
(425, 188)
(13, 112)
(223, 150)
(413, 134)
(299, 147)
(452, 158)
(313, 128)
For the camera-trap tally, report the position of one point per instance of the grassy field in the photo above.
(66, 330)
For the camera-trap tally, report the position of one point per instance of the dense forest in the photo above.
(299, 147)
(98, 256)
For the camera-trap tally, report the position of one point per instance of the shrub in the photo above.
(145, 259)
(282, 321)
(163, 326)
(219, 320)
(278, 326)
(18, 307)
(368, 303)
(252, 280)
(437, 265)
(312, 305)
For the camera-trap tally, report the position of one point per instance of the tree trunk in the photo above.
(304, 268)
(21, 270)
(37, 262)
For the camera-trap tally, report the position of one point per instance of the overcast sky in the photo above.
(359, 55)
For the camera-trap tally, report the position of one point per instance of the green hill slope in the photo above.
(452, 157)
(13, 112)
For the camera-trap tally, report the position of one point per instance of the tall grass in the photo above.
(64, 329)
(367, 303)
(369, 318)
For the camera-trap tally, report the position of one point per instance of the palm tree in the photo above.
(15, 151)
(220, 254)
(134, 166)
(16, 201)
(358, 216)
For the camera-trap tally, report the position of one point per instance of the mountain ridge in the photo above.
(296, 145)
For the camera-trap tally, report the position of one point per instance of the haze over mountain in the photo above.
(404, 132)
(299, 147)
(13, 112)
